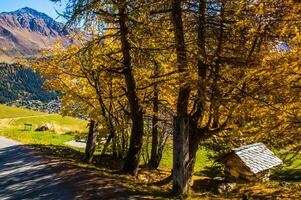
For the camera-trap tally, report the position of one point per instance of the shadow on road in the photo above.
(26, 174)
(29, 174)
(67, 153)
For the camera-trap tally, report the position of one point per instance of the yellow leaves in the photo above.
(296, 41)
(252, 30)
(261, 9)
(259, 87)
(58, 46)
(4, 49)
(284, 31)
(242, 23)
(74, 48)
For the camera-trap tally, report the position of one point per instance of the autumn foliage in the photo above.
(229, 69)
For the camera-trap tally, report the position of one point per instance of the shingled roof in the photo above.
(257, 157)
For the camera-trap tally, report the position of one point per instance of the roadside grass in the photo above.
(51, 138)
(12, 112)
(153, 182)
(33, 137)
(203, 167)
(14, 129)
(145, 183)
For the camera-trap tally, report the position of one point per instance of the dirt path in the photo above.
(27, 174)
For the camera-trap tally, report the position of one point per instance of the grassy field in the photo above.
(59, 123)
(12, 112)
(202, 160)
(12, 122)
(15, 118)
(33, 137)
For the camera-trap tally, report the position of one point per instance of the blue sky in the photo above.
(44, 6)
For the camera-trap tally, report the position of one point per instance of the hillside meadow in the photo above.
(13, 120)
(13, 112)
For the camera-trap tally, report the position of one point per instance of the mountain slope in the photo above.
(23, 32)
(19, 83)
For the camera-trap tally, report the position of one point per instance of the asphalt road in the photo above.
(24, 175)
(27, 174)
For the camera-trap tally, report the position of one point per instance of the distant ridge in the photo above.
(23, 32)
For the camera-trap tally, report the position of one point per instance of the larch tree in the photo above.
(218, 44)
(125, 20)
(88, 89)
(99, 13)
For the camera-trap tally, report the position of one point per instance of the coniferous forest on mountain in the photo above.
(17, 83)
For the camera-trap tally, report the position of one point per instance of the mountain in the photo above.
(23, 32)
(20, 83)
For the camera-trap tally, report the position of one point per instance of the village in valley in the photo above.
(156, 99)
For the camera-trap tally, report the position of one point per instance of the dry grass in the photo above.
(204, 188)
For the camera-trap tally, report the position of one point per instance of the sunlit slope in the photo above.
(59, 123)
(12, 112)
(11, 117)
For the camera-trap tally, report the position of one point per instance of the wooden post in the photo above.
(180, 155)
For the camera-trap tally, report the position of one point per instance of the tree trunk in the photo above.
(106, 145)
(195, 133)
(181, 155)
(114, 147)
(155, 158)
(91, 143)
(216, 71)
(194, 140)
(132, 159)
(181, 122)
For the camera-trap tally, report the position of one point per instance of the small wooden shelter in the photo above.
(249, 162)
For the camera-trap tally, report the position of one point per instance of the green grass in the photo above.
(52, 144)
(33, 137)
(290, 171)
(12, 112)
(12, 122)
(202, 160)
(60, 124)
(12, 117)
